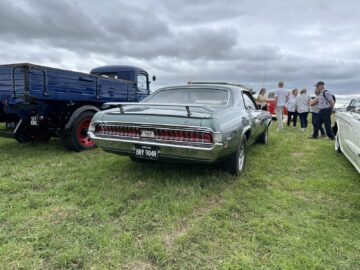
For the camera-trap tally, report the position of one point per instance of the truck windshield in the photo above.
(191, 96)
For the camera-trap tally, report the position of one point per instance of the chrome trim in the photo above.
(153, 125)
(166, 151)
(161, 126)
(217, 136)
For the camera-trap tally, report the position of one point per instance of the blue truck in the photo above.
(38, 102)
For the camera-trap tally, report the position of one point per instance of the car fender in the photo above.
(245, 131)
(77, 112)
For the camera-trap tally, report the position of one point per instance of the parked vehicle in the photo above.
(270, 103)
(37, 102)
(194, 123)
(347, 138)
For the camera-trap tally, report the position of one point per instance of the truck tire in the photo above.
(78, 140)
(235, 165)
(22, 135)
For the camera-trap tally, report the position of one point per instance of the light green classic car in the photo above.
(194, 123)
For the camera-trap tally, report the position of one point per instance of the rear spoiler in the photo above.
(121, 106)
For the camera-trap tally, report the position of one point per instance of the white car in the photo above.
(347, 138)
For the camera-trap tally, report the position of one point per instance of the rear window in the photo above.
(191, 96)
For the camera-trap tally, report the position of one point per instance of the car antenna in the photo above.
(265, 71)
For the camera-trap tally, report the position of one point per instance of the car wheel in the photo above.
(264, 138)
(337, 143)
(78, 140)
(236, 164)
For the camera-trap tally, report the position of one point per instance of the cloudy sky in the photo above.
(246, 41)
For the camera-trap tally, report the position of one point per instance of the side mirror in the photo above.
(154, 78)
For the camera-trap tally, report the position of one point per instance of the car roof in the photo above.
(206, 86)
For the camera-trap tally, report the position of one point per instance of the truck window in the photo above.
(142, 82)
(109, 75)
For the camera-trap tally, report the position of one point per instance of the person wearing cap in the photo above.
(281, 97)
(314, 109)
(326, 105)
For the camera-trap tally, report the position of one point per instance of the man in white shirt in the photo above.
(281, 97)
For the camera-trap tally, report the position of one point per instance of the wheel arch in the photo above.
(77, 112)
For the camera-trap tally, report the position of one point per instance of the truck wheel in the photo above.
(236, 164)
(78, 139)
(22, 135)
(264, 138)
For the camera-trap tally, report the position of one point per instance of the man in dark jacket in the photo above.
(326, 105)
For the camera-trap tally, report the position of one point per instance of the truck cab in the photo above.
(138, 76)
(39, 102)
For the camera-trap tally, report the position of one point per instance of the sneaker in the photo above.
(332, 139)
(322, 136)
(313, 138)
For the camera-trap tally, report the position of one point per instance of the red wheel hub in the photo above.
(82, 135)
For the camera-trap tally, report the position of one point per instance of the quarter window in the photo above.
(249, 102)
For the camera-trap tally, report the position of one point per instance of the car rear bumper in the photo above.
(167, 152)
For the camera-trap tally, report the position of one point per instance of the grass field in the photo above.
(297, 206)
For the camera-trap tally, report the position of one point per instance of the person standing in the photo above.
(291, 108)
(261, 99)
(314, 109)
(303, 106)
(326, 105)
(281, 97)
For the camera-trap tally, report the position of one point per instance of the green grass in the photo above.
(297, 206)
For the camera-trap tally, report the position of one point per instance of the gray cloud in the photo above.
(253, 42)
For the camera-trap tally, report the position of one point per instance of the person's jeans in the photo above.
(324, 117)
(292, 115)
(303, 119)
(314, 118)
(279, 116)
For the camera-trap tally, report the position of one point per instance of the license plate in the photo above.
(146, 152)
(146, 133)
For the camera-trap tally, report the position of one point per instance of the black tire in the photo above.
(337, 143)
(78, 140)
(22, 135)
(234, 165)
(264, 138)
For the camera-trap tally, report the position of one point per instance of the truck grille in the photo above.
(158, 133)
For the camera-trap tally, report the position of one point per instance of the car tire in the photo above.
(337, 143)
(236, 164)
(78, 140)
(264, 138)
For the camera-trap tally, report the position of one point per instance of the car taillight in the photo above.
(122, 131)
(179, 135)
